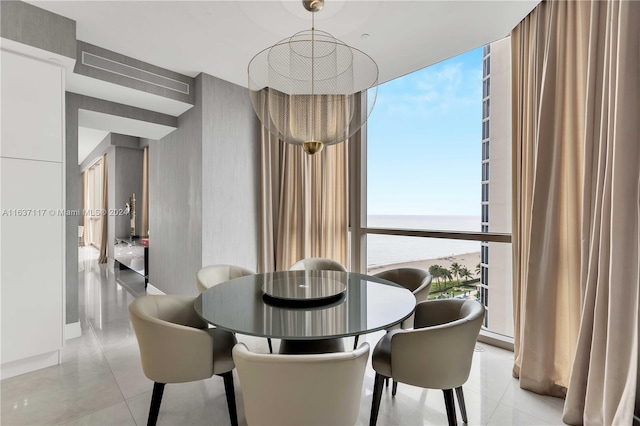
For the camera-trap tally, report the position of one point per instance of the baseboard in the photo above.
(72, 330)
(154, 290)
(27, 365)
(495, 339)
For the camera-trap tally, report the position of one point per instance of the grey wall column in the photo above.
(175, 204)
(203, 188)
(111, 196)
(128, 181)
(230, 175)
(73, 202)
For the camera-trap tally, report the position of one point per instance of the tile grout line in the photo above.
(131, 412)
(107, 360)
(514, 407)
(103, 353)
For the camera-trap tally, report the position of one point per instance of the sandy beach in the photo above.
(468, 260)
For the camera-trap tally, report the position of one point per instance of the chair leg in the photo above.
(270, 347)
(156, 399)
(355, 343)
(386, 382)
(394, 389)
(375, 399)
(450, 404)
(463, 407)
(231, 396)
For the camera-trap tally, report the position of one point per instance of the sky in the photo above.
(424, 141)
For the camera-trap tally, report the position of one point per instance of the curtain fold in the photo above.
(547, 49)
(576, 121)
(105, 207)
(269, 200)
(303, 203)
(605, 372)
(144, 232)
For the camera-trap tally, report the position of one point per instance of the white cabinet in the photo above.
(32, 221)
(32, 258)
(32, 115)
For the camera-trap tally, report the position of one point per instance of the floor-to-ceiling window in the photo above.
(438, 179)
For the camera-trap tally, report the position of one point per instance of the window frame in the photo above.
(359, 230)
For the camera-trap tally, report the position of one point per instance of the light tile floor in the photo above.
(100, 381)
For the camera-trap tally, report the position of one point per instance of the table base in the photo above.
(323, 346)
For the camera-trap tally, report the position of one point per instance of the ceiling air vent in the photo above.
(109, 65)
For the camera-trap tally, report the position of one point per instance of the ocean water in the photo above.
(388, 249)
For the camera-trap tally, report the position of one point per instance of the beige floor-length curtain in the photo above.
(576, 177)
(145, 193)
(105, 208)
(303, 204)
(548, 113)
(603, 384)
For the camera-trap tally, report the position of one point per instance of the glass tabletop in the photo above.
(368, 304)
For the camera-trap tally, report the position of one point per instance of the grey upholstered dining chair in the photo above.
(318, 389)
(416, 280)
(212, 275)
(436, 354)
(176, 347)
(317, 264)
(215, 274)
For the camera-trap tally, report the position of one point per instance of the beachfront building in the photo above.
(495, 289)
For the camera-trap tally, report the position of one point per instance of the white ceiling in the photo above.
(220, 37)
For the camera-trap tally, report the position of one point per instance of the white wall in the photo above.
(31, 226)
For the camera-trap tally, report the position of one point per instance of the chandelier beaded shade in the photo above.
(312, 89)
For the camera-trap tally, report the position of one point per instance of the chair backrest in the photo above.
(212, 275)
(317, 264)
(437, 354)
(414, 279)
(174, 344)
(319, 389)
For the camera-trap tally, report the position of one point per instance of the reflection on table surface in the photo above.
(314, 286)
(368, 304)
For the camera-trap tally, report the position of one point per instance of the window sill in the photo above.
(495, 339)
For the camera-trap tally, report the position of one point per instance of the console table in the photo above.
(133, 253)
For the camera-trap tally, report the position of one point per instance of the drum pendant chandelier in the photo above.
(312, 89)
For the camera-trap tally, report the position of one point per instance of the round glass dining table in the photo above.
(309, 310)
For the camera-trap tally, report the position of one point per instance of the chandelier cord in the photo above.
(313, 98)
